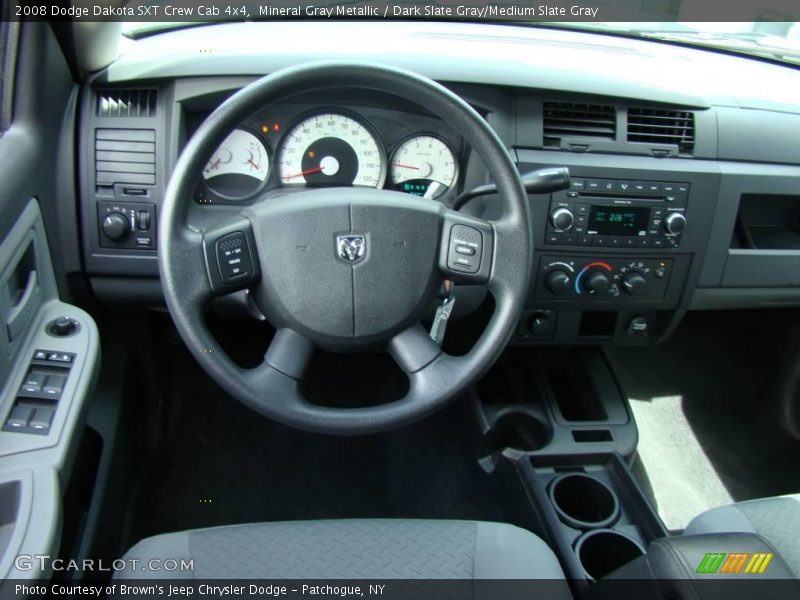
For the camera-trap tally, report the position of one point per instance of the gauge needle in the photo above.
(405, 166)
(252, 164)
(215, 164)
(307, 172)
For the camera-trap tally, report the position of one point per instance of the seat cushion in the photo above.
(353, 549)
(777, 520)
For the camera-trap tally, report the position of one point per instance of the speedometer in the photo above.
(239, 167)
(331, 149)
(424, 165)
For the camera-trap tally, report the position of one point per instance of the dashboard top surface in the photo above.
(529, 57)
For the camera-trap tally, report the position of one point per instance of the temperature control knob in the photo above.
(115, 226)
(633, 283)
(596, 281)
(557, 281)
(675, 223)
(561, 219)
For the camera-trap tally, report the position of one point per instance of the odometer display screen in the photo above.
(618, 220)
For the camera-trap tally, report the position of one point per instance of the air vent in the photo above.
(576, 121)
(125, 156)
(658, 126)
(126, 103)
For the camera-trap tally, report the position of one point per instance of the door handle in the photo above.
(22, 310)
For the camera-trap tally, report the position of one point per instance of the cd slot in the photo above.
(626, 198)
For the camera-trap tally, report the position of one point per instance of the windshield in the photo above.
(775, 40)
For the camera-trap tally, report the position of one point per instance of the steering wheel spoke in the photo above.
(289, 353)
(467, 248)
(231, 256)
(413, 349)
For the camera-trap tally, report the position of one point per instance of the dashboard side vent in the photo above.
(575, 120)
(126, 103)
(660, 126)
(125, 156)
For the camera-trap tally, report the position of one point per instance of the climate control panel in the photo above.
(603, 278)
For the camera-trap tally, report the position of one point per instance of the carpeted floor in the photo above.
(705, 407)
(223, 464)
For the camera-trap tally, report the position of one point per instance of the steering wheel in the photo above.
(344, 269)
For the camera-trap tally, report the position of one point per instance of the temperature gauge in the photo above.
(239, 167)
(424, 165)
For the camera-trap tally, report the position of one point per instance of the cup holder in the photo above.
(583, 502)
(519, 431)
(603, 551)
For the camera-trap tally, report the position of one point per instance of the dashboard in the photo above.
(685, 178)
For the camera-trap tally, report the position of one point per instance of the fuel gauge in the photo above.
(239, 167)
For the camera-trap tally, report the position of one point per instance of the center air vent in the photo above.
(659, 126)
(126, 103)
(576, 121)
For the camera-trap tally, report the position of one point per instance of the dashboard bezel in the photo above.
(367, 110)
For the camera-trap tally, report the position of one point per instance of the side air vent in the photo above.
(126, 103)
(125, 156)
(577, 121)
(659, 126)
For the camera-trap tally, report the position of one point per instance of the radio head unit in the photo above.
(618, 213)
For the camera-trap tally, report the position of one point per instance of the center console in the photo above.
(619, 252)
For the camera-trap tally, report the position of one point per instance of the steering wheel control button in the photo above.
(233, 257)
(462, 239)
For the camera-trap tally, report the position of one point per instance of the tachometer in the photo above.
(239, 167)
(331, 149)
(424, 165)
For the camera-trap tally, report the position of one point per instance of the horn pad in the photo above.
(346, 267)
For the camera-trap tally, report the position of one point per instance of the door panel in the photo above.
(47, 369)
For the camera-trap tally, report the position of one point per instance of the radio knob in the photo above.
(557, 281)
(115, 226)
(596, 281)
(675, 223)
(561, 219)
(633, 283)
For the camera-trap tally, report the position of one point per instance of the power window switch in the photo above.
(33, 382)
(54, 385)
(19, 417)
(41, 420)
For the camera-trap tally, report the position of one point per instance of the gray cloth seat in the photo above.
(777, 520)
(353, 549)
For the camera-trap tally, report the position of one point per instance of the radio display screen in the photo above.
(618, 220)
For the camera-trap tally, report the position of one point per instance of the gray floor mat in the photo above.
(705, 408)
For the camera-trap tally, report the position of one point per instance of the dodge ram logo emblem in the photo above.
(351, 247)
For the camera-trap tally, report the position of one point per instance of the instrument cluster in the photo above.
(296, 146)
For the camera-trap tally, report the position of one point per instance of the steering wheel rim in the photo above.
(272, 389)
